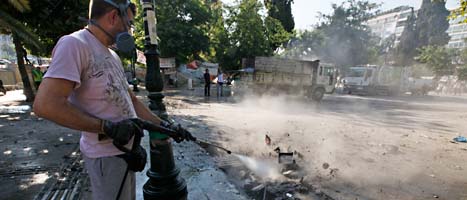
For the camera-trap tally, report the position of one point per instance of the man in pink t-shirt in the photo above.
(85, 88)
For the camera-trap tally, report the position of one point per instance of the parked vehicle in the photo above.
(311, 78)
(376, 80)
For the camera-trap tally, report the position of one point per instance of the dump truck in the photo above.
(376, 80)
(310, 78)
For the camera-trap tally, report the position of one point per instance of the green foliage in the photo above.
(276, 33)
(438, 59)
(282, 11)
(9, 22)
(462, 73)
(138, 32)
(306, 44)
(463, 55)
(432, 23)
(242, 32)
(49, 20)
(248, 30)
(345, 39)
(460, 11)
(182, 28)
(208, 30)
(407, 48)
(222, 49)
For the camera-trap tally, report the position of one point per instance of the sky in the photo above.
(305, 12)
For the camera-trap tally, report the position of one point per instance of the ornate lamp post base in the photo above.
(164, 182)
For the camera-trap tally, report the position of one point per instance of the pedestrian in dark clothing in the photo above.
(207, 83)
(2, 89)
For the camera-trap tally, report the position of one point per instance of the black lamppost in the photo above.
(164, 182)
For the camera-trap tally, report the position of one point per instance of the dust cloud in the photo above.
(351, 144)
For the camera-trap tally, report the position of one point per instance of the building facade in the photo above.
(458, 32)
(390, 23)
(7, 50)
(393, 22)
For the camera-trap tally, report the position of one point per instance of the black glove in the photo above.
(182, 134)
(122, 131)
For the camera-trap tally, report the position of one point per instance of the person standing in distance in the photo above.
(207, 83)
(220, 82)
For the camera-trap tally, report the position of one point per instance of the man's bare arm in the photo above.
(143, 111)
(51, 103)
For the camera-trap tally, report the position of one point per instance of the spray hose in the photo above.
(169, 132)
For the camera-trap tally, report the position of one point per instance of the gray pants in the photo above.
(106, 176)
(219, 89)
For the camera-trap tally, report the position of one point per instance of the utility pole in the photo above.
(164, 182)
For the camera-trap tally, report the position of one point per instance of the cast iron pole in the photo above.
(164, 182)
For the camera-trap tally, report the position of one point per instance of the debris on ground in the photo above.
(333, 172)
(267, 139)
(460, 139)
(286, 158)
(277, 150)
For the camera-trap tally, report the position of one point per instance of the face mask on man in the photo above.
(124, 40)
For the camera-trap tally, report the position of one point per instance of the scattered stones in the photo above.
(325, 165)
(333, 172)
(267, 140)
(258, 187)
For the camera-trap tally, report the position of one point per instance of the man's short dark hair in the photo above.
(98, 8)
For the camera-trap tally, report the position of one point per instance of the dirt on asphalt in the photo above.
(32, 149)
(347, 147)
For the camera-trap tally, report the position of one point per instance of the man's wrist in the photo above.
(101, 127)
(101, 135)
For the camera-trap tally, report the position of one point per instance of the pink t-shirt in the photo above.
(101, 88)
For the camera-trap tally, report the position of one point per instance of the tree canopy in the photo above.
(432, 24)
(183, 28)
(50, 20)
(342, 37)
(438, 58)
(282, 11)
(407, 47)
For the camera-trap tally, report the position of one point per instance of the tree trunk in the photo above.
(27, 88)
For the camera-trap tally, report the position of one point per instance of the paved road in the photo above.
(350, 146)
